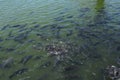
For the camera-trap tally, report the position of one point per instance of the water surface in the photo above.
(90, 28)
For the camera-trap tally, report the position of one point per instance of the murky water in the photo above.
(82, 35)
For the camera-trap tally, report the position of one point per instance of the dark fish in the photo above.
(62, 12)
(93, 35)
(60, 27)
(84, 9)
(1, 47)
(1, 39)
(25, 59)
(16, 26)
(44, 27)
(72, 77)
(100, 22)
(36, 26)
(61, 18)
(18, 72)
(38, 57)
(116, 13)
(23, 29)
(31, 13)
(76, 62)
(21, 37)
(83, 36)
(43, 77)
(75, 23)
(7, 63)
(118, 48)
(10, 34)
(30, 41)
(56, 63)
(4, 27)
(71, 16)
(81, 15)
(97, 43)
(57, 34)
(38, 46)
(70, 32)
(118, 60)
(10, 49)
(19, 26)
(46, 64)
(40, 35)
(70, 68)
(1, 66)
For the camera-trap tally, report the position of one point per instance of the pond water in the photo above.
(58, 39)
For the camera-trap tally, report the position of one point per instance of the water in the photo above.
(88, 31)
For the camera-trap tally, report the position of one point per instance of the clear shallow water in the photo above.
(92, 28)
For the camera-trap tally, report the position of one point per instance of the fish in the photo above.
(72, 76)
(18, 72)
(18, 26)
(71, 16)
(22, 30)
(1, 39)
(5, 27)
(118, 48)
(7, 63)
(20, 37)
(70, 68)
(44, 27)
(36, 26)
(118, 60)
(57, 34)
(70, 32)
(81, 15)
(61, 18)
(60, 27)
(43, 77)
(25, 59)
(46, 64)
(84, 10)
(10, 34)
(10, 49)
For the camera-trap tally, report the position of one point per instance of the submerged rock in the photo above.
(113, 72)
(56, 49)
(61, 51)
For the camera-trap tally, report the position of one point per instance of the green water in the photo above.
(92, 26)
